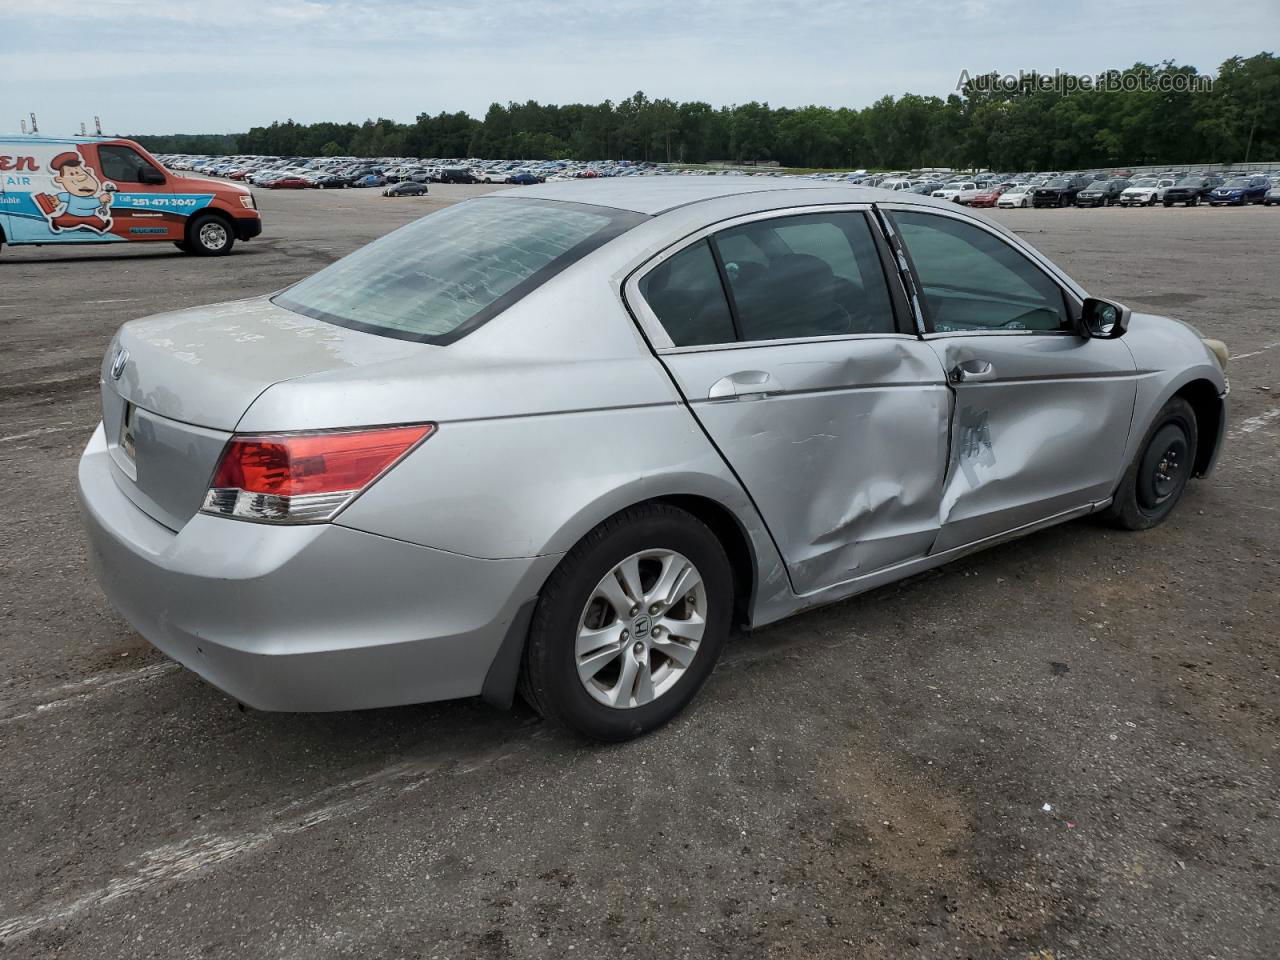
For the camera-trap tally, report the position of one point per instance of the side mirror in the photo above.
(1103, 319)
(150, 175)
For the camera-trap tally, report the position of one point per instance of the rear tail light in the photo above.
(304, 477)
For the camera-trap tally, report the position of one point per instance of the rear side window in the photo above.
(685, 294)
(820, 276)
(440, 277)
(973, 280)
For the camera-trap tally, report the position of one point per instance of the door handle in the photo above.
(972, 371)
(743, 385)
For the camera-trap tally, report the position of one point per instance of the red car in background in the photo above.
(989, 196)
(289, 183)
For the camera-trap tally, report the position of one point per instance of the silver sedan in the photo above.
(564, 440)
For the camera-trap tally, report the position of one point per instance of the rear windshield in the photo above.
(440, 277)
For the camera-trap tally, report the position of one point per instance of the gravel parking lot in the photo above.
(1065, 747)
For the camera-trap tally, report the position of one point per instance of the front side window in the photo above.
(814, 275)
(973, 280)
(440, 277)
(122, 164)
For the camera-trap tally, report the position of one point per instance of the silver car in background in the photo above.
(564, 439)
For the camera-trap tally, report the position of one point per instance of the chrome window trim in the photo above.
(748, 344)
(652, 327)
(1073, 292)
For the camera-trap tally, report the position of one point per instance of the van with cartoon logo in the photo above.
(107, 190)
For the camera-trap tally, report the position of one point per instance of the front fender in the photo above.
(1171, 358)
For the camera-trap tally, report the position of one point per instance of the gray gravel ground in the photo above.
(866, 780)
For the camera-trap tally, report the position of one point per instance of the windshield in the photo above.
(1056, 183)
(1143, 182)
(1190, 182)
(1237, 182)
(440, 277)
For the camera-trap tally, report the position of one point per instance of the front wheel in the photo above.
(209, 236)
(1156, 479)
(630, 624)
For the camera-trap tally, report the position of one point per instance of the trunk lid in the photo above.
(187, 378)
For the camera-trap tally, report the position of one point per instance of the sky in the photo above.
(222, 66)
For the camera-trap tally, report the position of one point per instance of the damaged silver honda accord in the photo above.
(563, 439)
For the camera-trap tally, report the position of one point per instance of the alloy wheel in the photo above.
(641, 628)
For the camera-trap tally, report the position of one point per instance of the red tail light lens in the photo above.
(304, 478)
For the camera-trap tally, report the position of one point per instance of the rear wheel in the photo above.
(630, 624)
(208, 235)
(1156, 479)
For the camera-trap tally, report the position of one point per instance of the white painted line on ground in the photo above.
(129, 300)
(81, 690)
(1255, 353)
(1254, 424)
(39, 433)
(178, 861)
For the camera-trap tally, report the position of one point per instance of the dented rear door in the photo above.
(779, 330)
(842, 447)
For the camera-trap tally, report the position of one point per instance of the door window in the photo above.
(122, 164)
(814, 275)
(685, 294)
(973, 280)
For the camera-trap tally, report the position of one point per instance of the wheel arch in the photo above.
(503, 675)
(1210, 411)
(210, 210)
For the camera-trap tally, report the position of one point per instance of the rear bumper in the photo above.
(248, 227)
(306, 618)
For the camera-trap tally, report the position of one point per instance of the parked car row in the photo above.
(1003, 190)
(1100, 190)
(285, 173)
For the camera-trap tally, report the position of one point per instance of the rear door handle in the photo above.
(744, 385)
(973, 371)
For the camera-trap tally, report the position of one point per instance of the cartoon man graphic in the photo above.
(85, 201)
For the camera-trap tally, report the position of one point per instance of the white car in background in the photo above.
(896, 184)
(970, 191)
(1145, 191)
(953, 190)
(492, 176)
(1016, 196)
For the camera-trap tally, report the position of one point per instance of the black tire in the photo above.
(1168, 203)
(549, 678)
(1142, 500)
(209, 235)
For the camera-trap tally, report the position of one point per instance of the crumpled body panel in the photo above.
(843, 449)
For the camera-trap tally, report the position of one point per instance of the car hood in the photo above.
(206, 365)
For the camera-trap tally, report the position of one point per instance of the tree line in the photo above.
(1145, 114)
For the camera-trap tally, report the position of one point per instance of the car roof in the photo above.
(654, 195)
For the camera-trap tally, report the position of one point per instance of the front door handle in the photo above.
(743, 385)
(973, 371)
